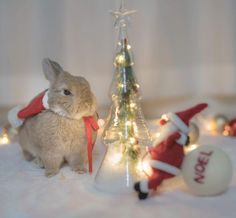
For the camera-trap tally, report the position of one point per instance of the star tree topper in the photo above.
(122, 15)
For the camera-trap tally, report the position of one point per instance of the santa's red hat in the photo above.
(181, 119)
(17, 115)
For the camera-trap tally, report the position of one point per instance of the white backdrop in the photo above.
(181, 47)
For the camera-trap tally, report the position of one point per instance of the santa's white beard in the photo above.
(165, 131)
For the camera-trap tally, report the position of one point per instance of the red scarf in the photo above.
(90, 126)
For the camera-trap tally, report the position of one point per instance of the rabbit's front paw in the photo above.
(28, 156)
(80, 170)
(52, 164)
(51, 172)
(38, 162)
(76, 162)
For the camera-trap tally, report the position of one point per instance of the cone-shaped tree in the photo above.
(125, 123)
(125, 133)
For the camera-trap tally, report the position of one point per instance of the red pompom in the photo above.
(162, 122)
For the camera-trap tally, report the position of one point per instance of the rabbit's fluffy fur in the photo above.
(58, 134)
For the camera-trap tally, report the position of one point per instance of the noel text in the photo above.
(200, 166)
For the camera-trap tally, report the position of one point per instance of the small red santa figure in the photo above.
(167, 154)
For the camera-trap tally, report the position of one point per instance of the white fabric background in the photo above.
(181, 47)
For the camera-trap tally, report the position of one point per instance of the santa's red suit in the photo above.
(168, 153)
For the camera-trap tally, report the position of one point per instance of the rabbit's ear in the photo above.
(51, 69)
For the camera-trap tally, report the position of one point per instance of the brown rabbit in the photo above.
(58, 134)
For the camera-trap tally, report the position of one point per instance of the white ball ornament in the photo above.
(207, 170)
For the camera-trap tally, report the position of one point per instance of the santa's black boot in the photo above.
(142, 195)
(137, 187)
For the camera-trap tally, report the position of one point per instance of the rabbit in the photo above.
(57, 135)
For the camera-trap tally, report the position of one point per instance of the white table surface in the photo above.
(25, 192)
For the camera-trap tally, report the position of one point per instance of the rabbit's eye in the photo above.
(66, 92)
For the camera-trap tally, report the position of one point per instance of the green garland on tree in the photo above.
(125, 127)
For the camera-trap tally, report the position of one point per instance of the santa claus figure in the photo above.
(167, 154)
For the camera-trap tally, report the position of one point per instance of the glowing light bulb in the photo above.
(132, 105)
(226, 133)
(116, 158)
(121, 85)
(210, 126)
(139, 166)
(120, 59)
(132, 140)
(144, 167)
(4, 139)
(128, 123)
(191, 147)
